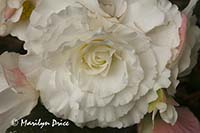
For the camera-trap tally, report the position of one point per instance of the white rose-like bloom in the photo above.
(158, 19)
(94, 71)
(94, 79)
(163, 33)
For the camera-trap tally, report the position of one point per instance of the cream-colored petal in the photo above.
(115, 8)
(94, 6)
(19, 31)
(16, 17)
(170, 115)
(15, 3)
(165, 35)
(45, 8)
(151, 15)
(148, 63)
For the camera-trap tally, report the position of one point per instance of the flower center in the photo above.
(96, 58)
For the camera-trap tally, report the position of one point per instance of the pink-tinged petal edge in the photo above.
(182, 34)
(15, 77)
(9, 12)
(186, 123)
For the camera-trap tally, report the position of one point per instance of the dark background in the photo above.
(188, 92)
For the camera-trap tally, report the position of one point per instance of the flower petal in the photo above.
(19, 98)
(186, 123)
(151, 15)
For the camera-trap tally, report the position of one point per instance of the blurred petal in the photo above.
(19, 30)
(146, 125)
(14, 3)
(190, 53)
(3, 82)
(180, 48)
(18, 97)
(186, 123)
(16, 16)
(189, 9)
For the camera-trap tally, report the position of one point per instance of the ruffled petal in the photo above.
(151, 15)
(45, 8)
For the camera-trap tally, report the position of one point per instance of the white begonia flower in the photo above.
(17, 96)
(164, 33)
(14, 15)
(94, 78)
(97, 71)
(158, 19)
